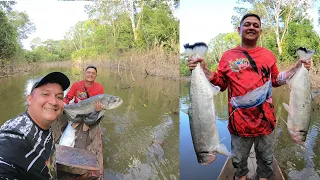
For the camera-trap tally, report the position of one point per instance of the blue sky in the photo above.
(202, 20)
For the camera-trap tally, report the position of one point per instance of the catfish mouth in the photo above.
(206, 157)
(116, 103)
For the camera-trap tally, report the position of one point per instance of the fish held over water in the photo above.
(86, 106)
(202, 116)
(299, 108)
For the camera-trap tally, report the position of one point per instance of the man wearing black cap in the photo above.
(26, 141)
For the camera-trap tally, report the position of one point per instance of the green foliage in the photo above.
(160, 28)
(32, 56)
(123, 32)
(184, 68)
(218, 45)
(6, 6)
(21, 22)
(114, 27)
(300, 34)
(8, 36)
(87, 53)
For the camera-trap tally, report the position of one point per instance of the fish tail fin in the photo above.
(222, 149)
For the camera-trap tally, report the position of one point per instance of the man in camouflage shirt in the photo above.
(26, 141)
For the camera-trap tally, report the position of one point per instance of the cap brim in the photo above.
(55, 77)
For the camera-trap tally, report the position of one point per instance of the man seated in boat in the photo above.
(26, 141)
(84, 89)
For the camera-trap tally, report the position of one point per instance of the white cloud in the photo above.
(52, 18)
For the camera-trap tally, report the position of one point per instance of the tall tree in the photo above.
(6, 6)
(21, 22)
(8, 36)
(221, 43)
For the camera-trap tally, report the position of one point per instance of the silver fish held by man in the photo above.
(202, 116)
(299, 108)
(86, 106)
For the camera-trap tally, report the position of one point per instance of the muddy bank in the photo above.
(153, 63)
(16, 68)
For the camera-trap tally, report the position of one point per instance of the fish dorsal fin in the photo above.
(70, 114)
(287, 108)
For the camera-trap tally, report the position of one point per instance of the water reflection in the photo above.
(296, 162)
(140, 138)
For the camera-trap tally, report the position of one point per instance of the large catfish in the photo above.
(86, 106)
(202, 116)
(299, 108)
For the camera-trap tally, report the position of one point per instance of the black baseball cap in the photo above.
(54, 77)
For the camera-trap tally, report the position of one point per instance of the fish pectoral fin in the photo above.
(314, 94)
(215, 89)
(286, 106)
(222, 149)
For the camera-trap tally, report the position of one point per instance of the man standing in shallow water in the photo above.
(26, 141)
(249, 72)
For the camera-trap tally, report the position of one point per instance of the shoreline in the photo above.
(14, 69)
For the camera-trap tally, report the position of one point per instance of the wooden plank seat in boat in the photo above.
(75, 160)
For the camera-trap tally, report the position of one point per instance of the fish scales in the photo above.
(203, 127)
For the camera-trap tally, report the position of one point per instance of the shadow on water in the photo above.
(140, 138)
(296, 162)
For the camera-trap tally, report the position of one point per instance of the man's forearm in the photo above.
(291, 72)
(208, 73)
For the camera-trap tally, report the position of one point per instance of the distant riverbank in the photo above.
(153, 63)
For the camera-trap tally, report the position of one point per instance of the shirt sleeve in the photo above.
(70, 94)
(219, 77)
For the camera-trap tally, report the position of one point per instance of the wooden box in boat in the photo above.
(85, 159)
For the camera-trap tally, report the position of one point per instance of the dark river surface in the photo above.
(296, 163)
(140, 138)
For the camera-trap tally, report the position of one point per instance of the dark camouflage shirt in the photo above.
(26, 150)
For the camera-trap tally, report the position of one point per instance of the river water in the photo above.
(296, 162)
(140, 138)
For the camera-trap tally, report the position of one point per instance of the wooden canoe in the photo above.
(85, 159)
(227, 172)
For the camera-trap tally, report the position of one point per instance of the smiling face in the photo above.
(45, 104)
(90, 74)
(250, 30)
